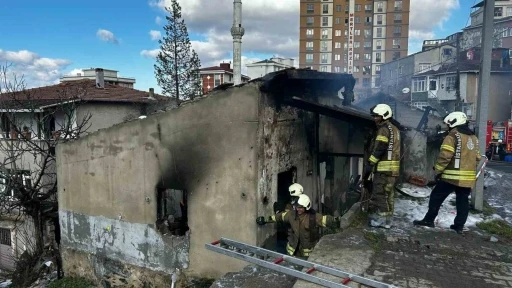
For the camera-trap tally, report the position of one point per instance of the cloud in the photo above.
(36, 70)
(107, 36)
(271, 27)
(74, 72)
(150, 53)
(158, 20)
(155, 35)
(422, 24)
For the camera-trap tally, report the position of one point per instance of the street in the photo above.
(505, 167)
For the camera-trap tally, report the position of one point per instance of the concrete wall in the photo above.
(107, 186)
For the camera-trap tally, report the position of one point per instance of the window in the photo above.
(379, 32)
(357, 56)
(5, 237)
(396, 43)
(345, 45)
(346, 21)
(325, 33)
(309, 45)
(398, 18)
(498, 11)
(172, 211)
(450, 82)
(400, 70)
(338, 33)
(309, 58)
(357, 32)
(368, 20)
(396, 55)
(379, 44)
(424, 67)
(357, 20)
(367, 57)
(325, 21)
(398, 5)
(367, 82)
(357, 44)
(338, 8)
(323, 68)
(378, 57)
(217, 80)
(324, 58)
(345, 69)
(505, 33)
(380, 6)
(358, 7)
(368, 8)
(379, 19)
(377, 69)
(418, 84)
(310, 32)
(310, 8)
(337, 69)
(325, 9)
(509, 11)
(356, 68)
(346, 32)
(323, 46)
(337, 57)
(397, 30)
(347, 8)
(367, 33)
(310, 21)
(14, 181)
(345, 57)
(338, 20)
(432, 85)
(337, 44)
(367, 44)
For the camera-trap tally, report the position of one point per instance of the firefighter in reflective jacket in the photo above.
(384, 162)
(304, 222)
(455, 170)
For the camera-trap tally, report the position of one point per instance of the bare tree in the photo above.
(32, 125)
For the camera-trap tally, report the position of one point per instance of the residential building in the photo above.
(262, 68)
(441, 86)
(45, 112)
(396, 75)
(502, 9)
(228, 152)
(214, 76)
(111, 77)
(355, 37)
(429, 44)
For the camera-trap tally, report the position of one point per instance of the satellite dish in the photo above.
(406, 90)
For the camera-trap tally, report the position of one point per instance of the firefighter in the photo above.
(384, 162)
(304, 223)
(295, 191)
(455, 170)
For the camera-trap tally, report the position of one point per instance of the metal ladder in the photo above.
(271, 260)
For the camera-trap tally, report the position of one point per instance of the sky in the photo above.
(43, 40)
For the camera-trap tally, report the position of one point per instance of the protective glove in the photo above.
(261, 220)
(368, 169)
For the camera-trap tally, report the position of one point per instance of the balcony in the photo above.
(309, 48)
(397, 34)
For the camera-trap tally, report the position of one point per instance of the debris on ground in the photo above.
(413, 190)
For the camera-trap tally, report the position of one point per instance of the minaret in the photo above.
(237, 32)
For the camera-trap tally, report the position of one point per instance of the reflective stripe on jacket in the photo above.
(458, 159)
(300, 238)
(386, 149)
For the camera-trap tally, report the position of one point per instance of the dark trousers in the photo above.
(440, 193)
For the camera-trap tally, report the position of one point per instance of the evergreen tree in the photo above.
(177, 64)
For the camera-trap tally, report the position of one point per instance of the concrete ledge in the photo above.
(349, 217)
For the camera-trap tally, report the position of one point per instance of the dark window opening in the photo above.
(13, 182)
(172, 218)
(5, 237)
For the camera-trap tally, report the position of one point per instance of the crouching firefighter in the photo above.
(455, 170)
(384, 162)
(304, 223)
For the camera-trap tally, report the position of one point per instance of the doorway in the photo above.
(284, 180)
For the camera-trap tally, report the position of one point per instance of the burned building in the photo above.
(140, 200)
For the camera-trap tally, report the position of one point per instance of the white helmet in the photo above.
(296, 190)
(455, 119)
(304, 201)
(382, 110)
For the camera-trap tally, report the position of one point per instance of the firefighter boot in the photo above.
(424, 223)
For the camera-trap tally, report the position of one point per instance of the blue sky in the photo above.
(54, 30)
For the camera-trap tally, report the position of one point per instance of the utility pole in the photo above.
(477, 195)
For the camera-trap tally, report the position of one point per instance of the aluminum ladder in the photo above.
(271, 260)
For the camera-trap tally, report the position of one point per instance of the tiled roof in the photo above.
(79, 90)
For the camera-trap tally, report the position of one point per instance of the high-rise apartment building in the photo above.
(353, 36)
